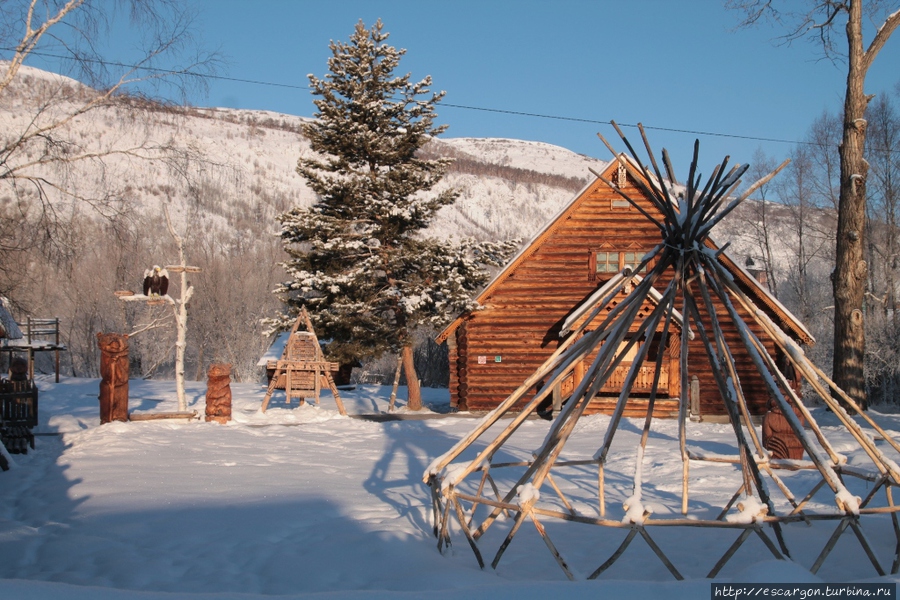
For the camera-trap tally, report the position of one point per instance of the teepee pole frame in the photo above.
(711, 302)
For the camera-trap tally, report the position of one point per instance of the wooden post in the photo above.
(56, 327)
(695, 398)
(396, 384)
(180, 312)
(28, 329)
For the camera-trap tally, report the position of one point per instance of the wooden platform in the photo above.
(189, 415)
(663, 408)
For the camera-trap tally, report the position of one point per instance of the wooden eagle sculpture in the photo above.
(156, 281)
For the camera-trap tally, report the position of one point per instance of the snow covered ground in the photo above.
(305, 503)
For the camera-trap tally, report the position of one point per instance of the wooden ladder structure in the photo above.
(303, 367)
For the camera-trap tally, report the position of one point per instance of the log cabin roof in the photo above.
(757, 291)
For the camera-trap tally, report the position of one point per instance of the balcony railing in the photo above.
(643, 382)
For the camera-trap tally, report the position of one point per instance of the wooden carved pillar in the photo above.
(578, 374)
(114, 377)
(674, 353)
(218, 393)
(778, 436)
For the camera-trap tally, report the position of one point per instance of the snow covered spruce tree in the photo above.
(356, 259)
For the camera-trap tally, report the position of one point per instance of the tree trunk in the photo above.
(412, 380)
(850, 273)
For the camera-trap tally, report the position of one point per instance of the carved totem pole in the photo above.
(218, 393)
(114, 373)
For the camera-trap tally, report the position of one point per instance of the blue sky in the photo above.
(668, 64)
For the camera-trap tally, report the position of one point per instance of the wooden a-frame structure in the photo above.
(302, 368)
(476, 494)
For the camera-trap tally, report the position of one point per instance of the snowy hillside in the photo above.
(233, 170)
(227, 168)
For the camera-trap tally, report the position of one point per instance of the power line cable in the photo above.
(445, 104)
(598, 122)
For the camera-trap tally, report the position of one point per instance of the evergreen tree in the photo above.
(356, 261)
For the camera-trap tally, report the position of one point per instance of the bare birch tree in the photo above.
(883, 322)
(38, 150)
(763, 221)
(811, 235)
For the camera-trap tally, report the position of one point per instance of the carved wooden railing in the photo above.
(643, 382)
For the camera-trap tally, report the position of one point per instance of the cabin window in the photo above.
(608, 262)
(631, 260)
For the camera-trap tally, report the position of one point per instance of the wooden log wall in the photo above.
(455, 368)
(751, 381)
(523, 315)
(498, 347)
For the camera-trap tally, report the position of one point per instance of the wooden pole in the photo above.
(460, 515)
(615, 555)
(729, 553)
(812, 375)
(556, 555)
(56, 329)
(396, 383)
(606, 361)
(683, 406)
(180, 312)
(557, 363)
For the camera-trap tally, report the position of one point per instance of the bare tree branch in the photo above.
(881, 37)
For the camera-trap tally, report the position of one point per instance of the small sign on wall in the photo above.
(482, 360)
(497, 358)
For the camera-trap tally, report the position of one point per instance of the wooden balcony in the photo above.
(643, 384)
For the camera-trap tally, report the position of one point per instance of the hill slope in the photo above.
(235, 168)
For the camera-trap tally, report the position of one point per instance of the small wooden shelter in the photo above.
(28, 338)
(532, 306)
(302, 369)
(18, 392)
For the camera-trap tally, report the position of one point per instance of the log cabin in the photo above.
(541, 295)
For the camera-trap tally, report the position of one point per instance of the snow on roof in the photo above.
(276, 350)
(9, 330)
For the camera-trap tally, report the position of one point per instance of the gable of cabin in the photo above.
(493, 350)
